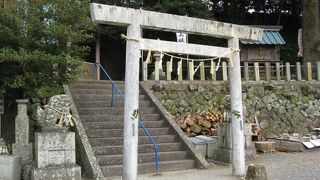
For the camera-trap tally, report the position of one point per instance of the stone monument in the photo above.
(55, 145)
(22, 147)
(10, 166)
(223, 153)
(158, 67)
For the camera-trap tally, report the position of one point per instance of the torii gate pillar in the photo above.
(131, 104)
(238, 158)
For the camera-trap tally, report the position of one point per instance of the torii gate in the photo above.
(135, 20)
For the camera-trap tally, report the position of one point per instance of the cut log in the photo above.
(206, 124)
(195, 128)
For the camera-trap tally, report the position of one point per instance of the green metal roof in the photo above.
(270, 37)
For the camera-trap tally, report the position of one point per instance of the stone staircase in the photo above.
(104, 127)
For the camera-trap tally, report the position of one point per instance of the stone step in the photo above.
(142, 140)
(96, 97)
(100, 133)
(98, 91)
(104, 104)
(99, 82)
(143, 157)
(119, 125)
(117, 118)
(145, 148)
(96, 86)
(113, 111)
(143, 168)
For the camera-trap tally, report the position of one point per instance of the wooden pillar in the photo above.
(278, 71)
(98, 56)
(246, 71)
(180, 76)
(202, 72)
(213, 72)
(309, 71)
(131, 104)
(191, 70)
(238, 157)
(169, 70)
(268, 71)
(288, 73)
(299, 71)
(224, 71)
(256, 72)
(145, 71)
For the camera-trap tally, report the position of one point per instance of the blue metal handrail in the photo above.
(114, 87)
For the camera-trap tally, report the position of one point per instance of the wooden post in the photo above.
(299, 71)
(309, 71)
(145, 71)
(131, 104)
(213, 72)
(278, 71)
(246, 71)
(268, 71)
(288, 74)
(318, 71)
(98, 56)
(224, 71)
(202, 72)
(191, 70)
(169, 68)
(256, 72)
(180, 77)
(238, 158)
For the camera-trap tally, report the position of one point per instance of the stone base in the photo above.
(10, 167)
(222, 155)
(26, 153)
(59, 173)
(162, 75)
(250, 153)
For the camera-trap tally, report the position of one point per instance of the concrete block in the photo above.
(200, 145)
(57, 173)
(223, 155)
(53, 149)
(210, 145)
(10, 167)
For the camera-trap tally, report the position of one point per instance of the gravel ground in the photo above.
(291, 166)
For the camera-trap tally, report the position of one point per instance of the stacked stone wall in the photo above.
(284, 107)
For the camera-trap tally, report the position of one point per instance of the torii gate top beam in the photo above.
(106, 14)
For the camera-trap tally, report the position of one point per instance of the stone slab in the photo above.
(285, 145)
(57, 173)
(53, 149)
(10, 167)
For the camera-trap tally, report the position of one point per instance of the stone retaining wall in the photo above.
(281, 107)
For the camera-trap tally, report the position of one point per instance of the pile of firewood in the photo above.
(201, 124)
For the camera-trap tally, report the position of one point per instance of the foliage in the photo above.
(42, 44)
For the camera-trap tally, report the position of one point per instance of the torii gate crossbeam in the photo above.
(137, 19)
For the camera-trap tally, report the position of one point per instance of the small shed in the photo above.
(266, 50)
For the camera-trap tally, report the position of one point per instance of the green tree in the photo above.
(42, 43)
